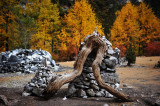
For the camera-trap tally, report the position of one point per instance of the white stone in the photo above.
(106, 105)
(117, 85)
(26, 94)
(64, 98)
(85, 97)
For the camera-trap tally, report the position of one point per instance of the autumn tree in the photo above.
(149, 26)
(79, 22)
(23, 27)
(19, 25)
(48, 22)
(135, 24)
(126, 27)
(6, 18)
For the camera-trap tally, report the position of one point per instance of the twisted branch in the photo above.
(92, 42)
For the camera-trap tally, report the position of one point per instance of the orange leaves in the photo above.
(136, 24)
(79, 22)
(153, 49)
(150, 24)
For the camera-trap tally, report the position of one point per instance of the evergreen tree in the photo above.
(130, 56)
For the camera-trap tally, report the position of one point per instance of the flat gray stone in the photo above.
(71, 90)
(99, 94)
(81, 93)
(28, 88)
(157, 103)
(86, 83)
(90, 92)
(95, 87)
(13, 58)
(38, 91)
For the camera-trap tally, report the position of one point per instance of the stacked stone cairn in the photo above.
(39, 82)
(86, 85)
(25, 60)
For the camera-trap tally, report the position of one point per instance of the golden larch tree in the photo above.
(48, 23)
(137, 25)
(6, 18)
(125, 29)
(149, 26)
(79, 22)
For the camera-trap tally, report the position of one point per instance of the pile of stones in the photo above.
(25, 60)
(39, 82)
(85, 85)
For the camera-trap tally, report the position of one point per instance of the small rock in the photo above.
(117, 85)
(97, 99)
(64, 98)
(38, 91)
(28, 88)
(95, 87)
(4, 100)
(130, 87)
(18, 73)
(90, 92)
(13, 58)
(32, 84)
(99, 94)
(26, 94)
(85, 97)
(157, 102)
(103, 66)
(105, 105)
(71, 90)
(81, 93)
(86, 83)
(110, 95)
(125, 85)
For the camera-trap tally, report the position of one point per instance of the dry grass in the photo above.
(142, 73)
(67, 63)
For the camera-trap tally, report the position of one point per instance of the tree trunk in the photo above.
(93, 42)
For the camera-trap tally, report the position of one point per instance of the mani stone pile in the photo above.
(25, 60)
(39, 82)
(85, 85)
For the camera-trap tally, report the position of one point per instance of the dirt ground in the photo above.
(140, 81)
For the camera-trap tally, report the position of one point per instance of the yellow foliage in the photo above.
(135, 24)
(126, 27)
(48, 21)
(150, 24)
(80, 21)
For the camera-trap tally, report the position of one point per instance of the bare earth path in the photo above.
(141, 81)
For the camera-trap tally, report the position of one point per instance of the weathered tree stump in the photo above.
(91, 43)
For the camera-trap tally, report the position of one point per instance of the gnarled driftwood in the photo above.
(91, 43)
